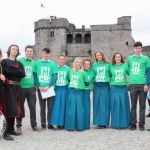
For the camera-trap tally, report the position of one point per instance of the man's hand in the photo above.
(2, 77)
(145, 88)
(41, 89)
(46, 88)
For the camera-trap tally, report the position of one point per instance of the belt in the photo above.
(13, 82)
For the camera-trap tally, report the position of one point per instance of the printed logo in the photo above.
(28, 71)
(74, 81)
(119, 76)
(101, 74)
(136, 68)
(45, 74)
(61, 78)
(2, 124)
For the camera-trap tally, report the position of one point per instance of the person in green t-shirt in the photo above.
(139, 66)
(61, 90)
(87, 64)
(28, 88)
(45, 75)
(74, 119)
(101, 91)
(119, 98)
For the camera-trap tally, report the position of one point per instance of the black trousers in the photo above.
(137, 91)
(43, 109)
(30, 95)
(10, 125)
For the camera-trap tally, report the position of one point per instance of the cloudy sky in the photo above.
(17, 17)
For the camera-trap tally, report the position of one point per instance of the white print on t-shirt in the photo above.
(45, 74)
(74, 81)
(61, 78)
(136, 68)
(100, 74)
(119, 76)
(28, 71)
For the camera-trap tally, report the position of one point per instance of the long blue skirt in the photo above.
(74, 119)
(120, 107)
(101, 104)
(59, 106)
(87, 105)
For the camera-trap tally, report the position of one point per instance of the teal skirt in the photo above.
(74, 119)
(120, 107)
(101, 103)
(59, 106)
(87, 105)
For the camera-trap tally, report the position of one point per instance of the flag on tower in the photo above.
(43, 6)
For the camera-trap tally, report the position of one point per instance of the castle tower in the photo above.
(50, 32)
(113, 38)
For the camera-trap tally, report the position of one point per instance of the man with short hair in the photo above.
(13, 72)
(45, 75)
(28, 88)
(139, 75)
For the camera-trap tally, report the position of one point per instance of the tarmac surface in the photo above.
(93, 139)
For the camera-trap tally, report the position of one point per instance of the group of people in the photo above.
(70, 107)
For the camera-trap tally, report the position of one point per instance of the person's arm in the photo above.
(147, 76)
(36, 82)
(53, 79)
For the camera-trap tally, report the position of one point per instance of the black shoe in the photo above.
(141, 127)
(43, 128)
(133, 127)
(148, 115)
(148, 129)
(14, 133)
(51, 127)
(8, 137)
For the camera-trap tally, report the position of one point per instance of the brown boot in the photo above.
(19, 130)
(36, 129)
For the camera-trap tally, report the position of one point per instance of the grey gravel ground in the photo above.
(93, 139)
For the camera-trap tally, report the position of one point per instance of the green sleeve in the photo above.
(127, 69)
(55, 69)
(147, 62)
(85, 77)
(35, 68)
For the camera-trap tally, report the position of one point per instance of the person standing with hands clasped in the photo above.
(139, 75)
(119, 98)
(45, 75)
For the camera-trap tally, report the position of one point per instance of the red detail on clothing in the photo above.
(1, 107)
(6, 81)
(15, 65)
(5, 104)
(19, 107)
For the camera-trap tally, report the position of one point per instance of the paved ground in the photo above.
(93, 139)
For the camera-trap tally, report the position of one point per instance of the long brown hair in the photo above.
(103, 57)
(113, 58)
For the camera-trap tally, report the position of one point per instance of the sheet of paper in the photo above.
(49, 93)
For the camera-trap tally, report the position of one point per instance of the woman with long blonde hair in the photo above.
(101, 91)
(74, 119)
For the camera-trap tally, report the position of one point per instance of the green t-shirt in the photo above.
(90, 74)
(77, 79)
(118, 74)
(102, 71)
(28, 80)
(137, 69)
(62, 76)
(44, 71)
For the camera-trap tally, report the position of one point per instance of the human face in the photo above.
(78, 64)
(45, 55)
(86, 65)
(61, 60)
(13, 51)
(99, 56)
(29, 53)
(117, 58)
(137, 50)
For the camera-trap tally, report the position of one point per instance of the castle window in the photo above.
(78, 38)
(52, 33)
(127, 43)
(69, 38)
(87, 38)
